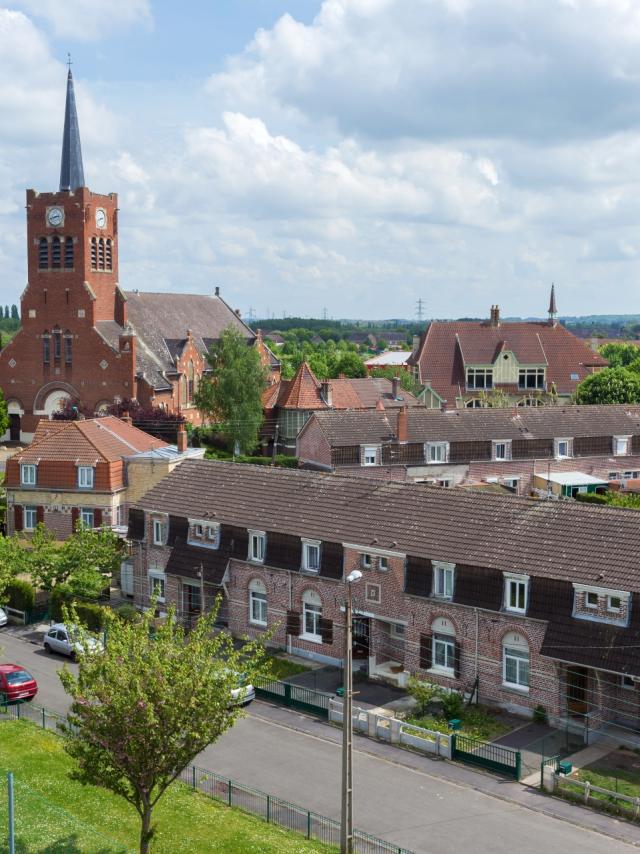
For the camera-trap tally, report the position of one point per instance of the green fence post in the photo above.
(44, 720)
(518, 765)
(453, 744)
(193, 775)
(18, 710)
(308, 824)
(268, 809)
(287, 694)
(230, 784)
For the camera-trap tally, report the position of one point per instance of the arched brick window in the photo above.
(109, 250)
(515, 661)
(68, 253)
(43, 253)
(46, 347)
(101, 253)
(257, 602)
(56, 253)
(94, 253)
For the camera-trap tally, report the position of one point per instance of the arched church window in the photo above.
(43, 253)
(101, 254)
(57, 344)
(56, 258)
(68, 347)
(46, 347)
(191, 386)
(68, 252)
(94, 253)
(109, 255)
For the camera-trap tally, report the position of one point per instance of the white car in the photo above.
(3, 617)
(66, 641)
(243, 695)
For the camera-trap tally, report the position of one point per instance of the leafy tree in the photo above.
(407, 379)
(619, 355)
(6, 312)
(88, 559)
(145, 708)
(4, 414)
(232, 394)
(13, 561)
(348, 363)
(14, 312)
(44, 559)
(611, 385)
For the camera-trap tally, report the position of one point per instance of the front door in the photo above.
(361, 630)
(14, 427)
(191, 598)
(577, 687)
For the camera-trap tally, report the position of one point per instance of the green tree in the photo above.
(14, 312)
(13, 561)
(619, 355)
(232, 394)
(44, 559)
(407, 379)
(611, 385)
(346, 362)
(89, 558)
(147, 706)
(4, 414)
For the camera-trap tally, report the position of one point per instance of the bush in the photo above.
(91, 615)
(592, 498)
(20, 595)
(128, 612)
(60, 595)
(540, 715)
(452, 704)
(422, 692)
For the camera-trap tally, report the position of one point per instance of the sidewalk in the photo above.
(456, 773)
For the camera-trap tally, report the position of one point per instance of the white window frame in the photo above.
(158, 532)
(397, 631)
(522, 659)
(257, 546)
(448, 645)
(498, 443)
(307, 546)
(383, 564)
(30, 511)
(443, 579)
(315, 611)
(556, 448)
(436, 453)
(511, 580)
(213, 534)
(28, 474)
(257, 605)
(86, 477)
(610, 608)
(473, 376)
(88, 513)
(370, 455)
(161, 579)
(198, 530)
(587, 604)
(366, 560)
(617, 440)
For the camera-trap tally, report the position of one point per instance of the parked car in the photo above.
(16, 684)
(4, 619)
(68, 640)
(243, 694)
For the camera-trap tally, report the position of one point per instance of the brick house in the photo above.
(530, 603)
(82, 336)
(462, 363)
(513, 447)
(88, 470)
(288, 404)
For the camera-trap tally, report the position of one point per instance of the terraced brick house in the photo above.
(528, 603)
(528, 363)
(561, 450)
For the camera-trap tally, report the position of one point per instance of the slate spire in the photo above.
(71, 172)
(552, 304)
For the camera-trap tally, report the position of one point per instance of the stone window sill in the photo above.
(442, 671)
(516, 689)
(311, 638)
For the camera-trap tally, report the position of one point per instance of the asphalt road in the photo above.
(404, 805)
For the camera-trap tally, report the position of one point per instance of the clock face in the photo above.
(55, 217)
(101, 218)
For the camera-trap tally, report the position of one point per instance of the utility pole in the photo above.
(346, 819)
(201, 577)
(420, 310)
(12, 843)
(324, 313)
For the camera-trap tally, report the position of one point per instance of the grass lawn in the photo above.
(282, 667)
(57, 815)
(477, 722)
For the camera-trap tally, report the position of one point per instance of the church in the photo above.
(83, 337)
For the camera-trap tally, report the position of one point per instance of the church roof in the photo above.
(71, 171)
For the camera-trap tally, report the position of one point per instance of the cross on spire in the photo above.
(69, 63)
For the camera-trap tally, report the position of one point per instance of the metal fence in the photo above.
(496, 757)
(224, 790)
(294, 696)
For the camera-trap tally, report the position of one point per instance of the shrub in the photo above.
(540, 715)
(592, 498)
(452, 704)
(127, 612)
(60, 595)
(422, 692)
(20, 595)
(91, 615)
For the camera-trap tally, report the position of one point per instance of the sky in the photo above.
(341, 156)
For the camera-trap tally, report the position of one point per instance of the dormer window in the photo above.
(85, 477)
(621, 446)
(257, 546)
(600, 603)
(443, 574)
(28, 474)
(591, 599)
(614, 604)
(366, 561)
(531, 378)
(479, 378)
(563, 448)
(501, 450)
(311, 556)
(516, 593)
(437, 452)
(370, 456)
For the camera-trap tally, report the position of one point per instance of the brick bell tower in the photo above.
(72, 298)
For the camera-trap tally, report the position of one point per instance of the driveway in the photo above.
(366, 694)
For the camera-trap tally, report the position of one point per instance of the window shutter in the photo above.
(293, 623)
(326, 630)
(97, 518)
(17, 518)
(456, 660)
(426, 651)
(40, 515)
(75, 515)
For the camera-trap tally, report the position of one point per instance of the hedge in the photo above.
(592, 498)
(89, 614)
(20, 595)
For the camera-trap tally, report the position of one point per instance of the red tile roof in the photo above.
(85, 442)
(449, 345)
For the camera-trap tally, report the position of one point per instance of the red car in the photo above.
(16, 684)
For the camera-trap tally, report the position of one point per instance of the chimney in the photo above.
(402, 430)
(395, 385)
(217, 290)
(495, 315)
(237, 313)
(183, 439)
(126, 417)
(416, 344)
(326, 392)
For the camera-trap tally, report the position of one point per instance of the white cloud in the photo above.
(87, 20)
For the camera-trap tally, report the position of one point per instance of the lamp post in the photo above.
(346, 822)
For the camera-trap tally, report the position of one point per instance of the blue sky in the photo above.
(352, 155)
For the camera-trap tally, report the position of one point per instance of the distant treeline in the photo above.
(337, 329)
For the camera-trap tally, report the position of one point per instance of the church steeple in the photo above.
(71, 171)
(553, 311)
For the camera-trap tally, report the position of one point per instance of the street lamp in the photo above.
(346, 822)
